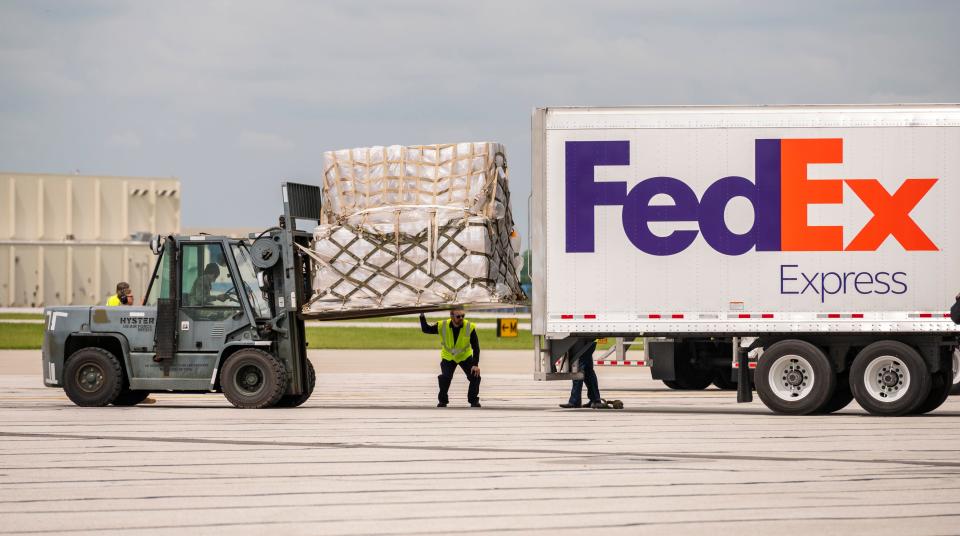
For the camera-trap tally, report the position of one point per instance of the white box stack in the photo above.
(415, 227)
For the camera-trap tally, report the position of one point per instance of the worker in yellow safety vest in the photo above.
(124, 295)
(459, 346)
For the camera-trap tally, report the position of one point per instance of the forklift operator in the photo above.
(200, 293)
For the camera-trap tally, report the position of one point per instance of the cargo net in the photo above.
(414, 227)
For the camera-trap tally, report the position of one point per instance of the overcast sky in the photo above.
(233, 97)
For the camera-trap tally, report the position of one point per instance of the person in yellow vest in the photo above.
(459, 346)
(124, 295)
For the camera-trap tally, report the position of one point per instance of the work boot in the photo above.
(568, 405)
(475, 405)
(442, 397)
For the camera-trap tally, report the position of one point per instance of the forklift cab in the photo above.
(212, 284)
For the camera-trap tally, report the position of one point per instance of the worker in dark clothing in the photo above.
(582, 351)
(459, 346)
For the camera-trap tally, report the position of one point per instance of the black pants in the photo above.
(447, 369)
(589, 378)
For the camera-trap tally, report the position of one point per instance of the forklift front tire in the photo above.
(253, 379)
(92, 377)
(292, 401)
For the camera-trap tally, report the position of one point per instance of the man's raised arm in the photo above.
(427, 328)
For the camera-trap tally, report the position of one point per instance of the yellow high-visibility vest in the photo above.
(113, 301)
(455, 351)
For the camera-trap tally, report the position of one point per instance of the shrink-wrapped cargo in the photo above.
(415, 227)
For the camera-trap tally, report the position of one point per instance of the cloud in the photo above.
(193, 82)
(127, 139)
(264, 141)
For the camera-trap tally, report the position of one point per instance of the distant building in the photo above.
(68, 239)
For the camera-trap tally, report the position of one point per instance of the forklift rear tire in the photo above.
(253, 379)
(92, 377)
(292, 401)
(130, 398)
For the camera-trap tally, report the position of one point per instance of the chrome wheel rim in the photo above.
(887, 379)
(791, 378)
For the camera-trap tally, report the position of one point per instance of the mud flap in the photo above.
(662, 356)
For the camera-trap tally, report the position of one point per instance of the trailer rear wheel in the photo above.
(689, 383)
(691, 376)
(842, 395)
(92, 377)
(956, 373)
(940, 386)
(889, 378)
(724, 381)
(253, 379)
(292, 401)
(794, 377)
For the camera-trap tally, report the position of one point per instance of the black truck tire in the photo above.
(292, 401)
(842, 395)
(723, 380)
(691, 377)
(130, 398)
(794, 377)
(940, 386)
(890, 378)
(253, 379)
(92, 377)
(955, 365)
(694, 383)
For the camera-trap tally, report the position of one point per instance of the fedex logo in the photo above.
(780, 197)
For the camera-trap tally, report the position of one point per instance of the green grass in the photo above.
(21, 316)
(431, 319)
(30, 336)
(21, 336)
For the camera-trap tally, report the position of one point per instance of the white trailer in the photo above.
(820, 240)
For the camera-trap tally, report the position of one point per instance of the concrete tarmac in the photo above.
(370, 454)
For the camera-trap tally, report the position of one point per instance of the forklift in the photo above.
(220, 314)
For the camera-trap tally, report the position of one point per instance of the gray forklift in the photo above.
(221, 314)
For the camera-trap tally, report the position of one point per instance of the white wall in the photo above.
(65, 239)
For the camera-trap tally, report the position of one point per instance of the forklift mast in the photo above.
(286, 276)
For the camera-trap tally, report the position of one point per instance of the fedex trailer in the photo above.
(819, 244)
